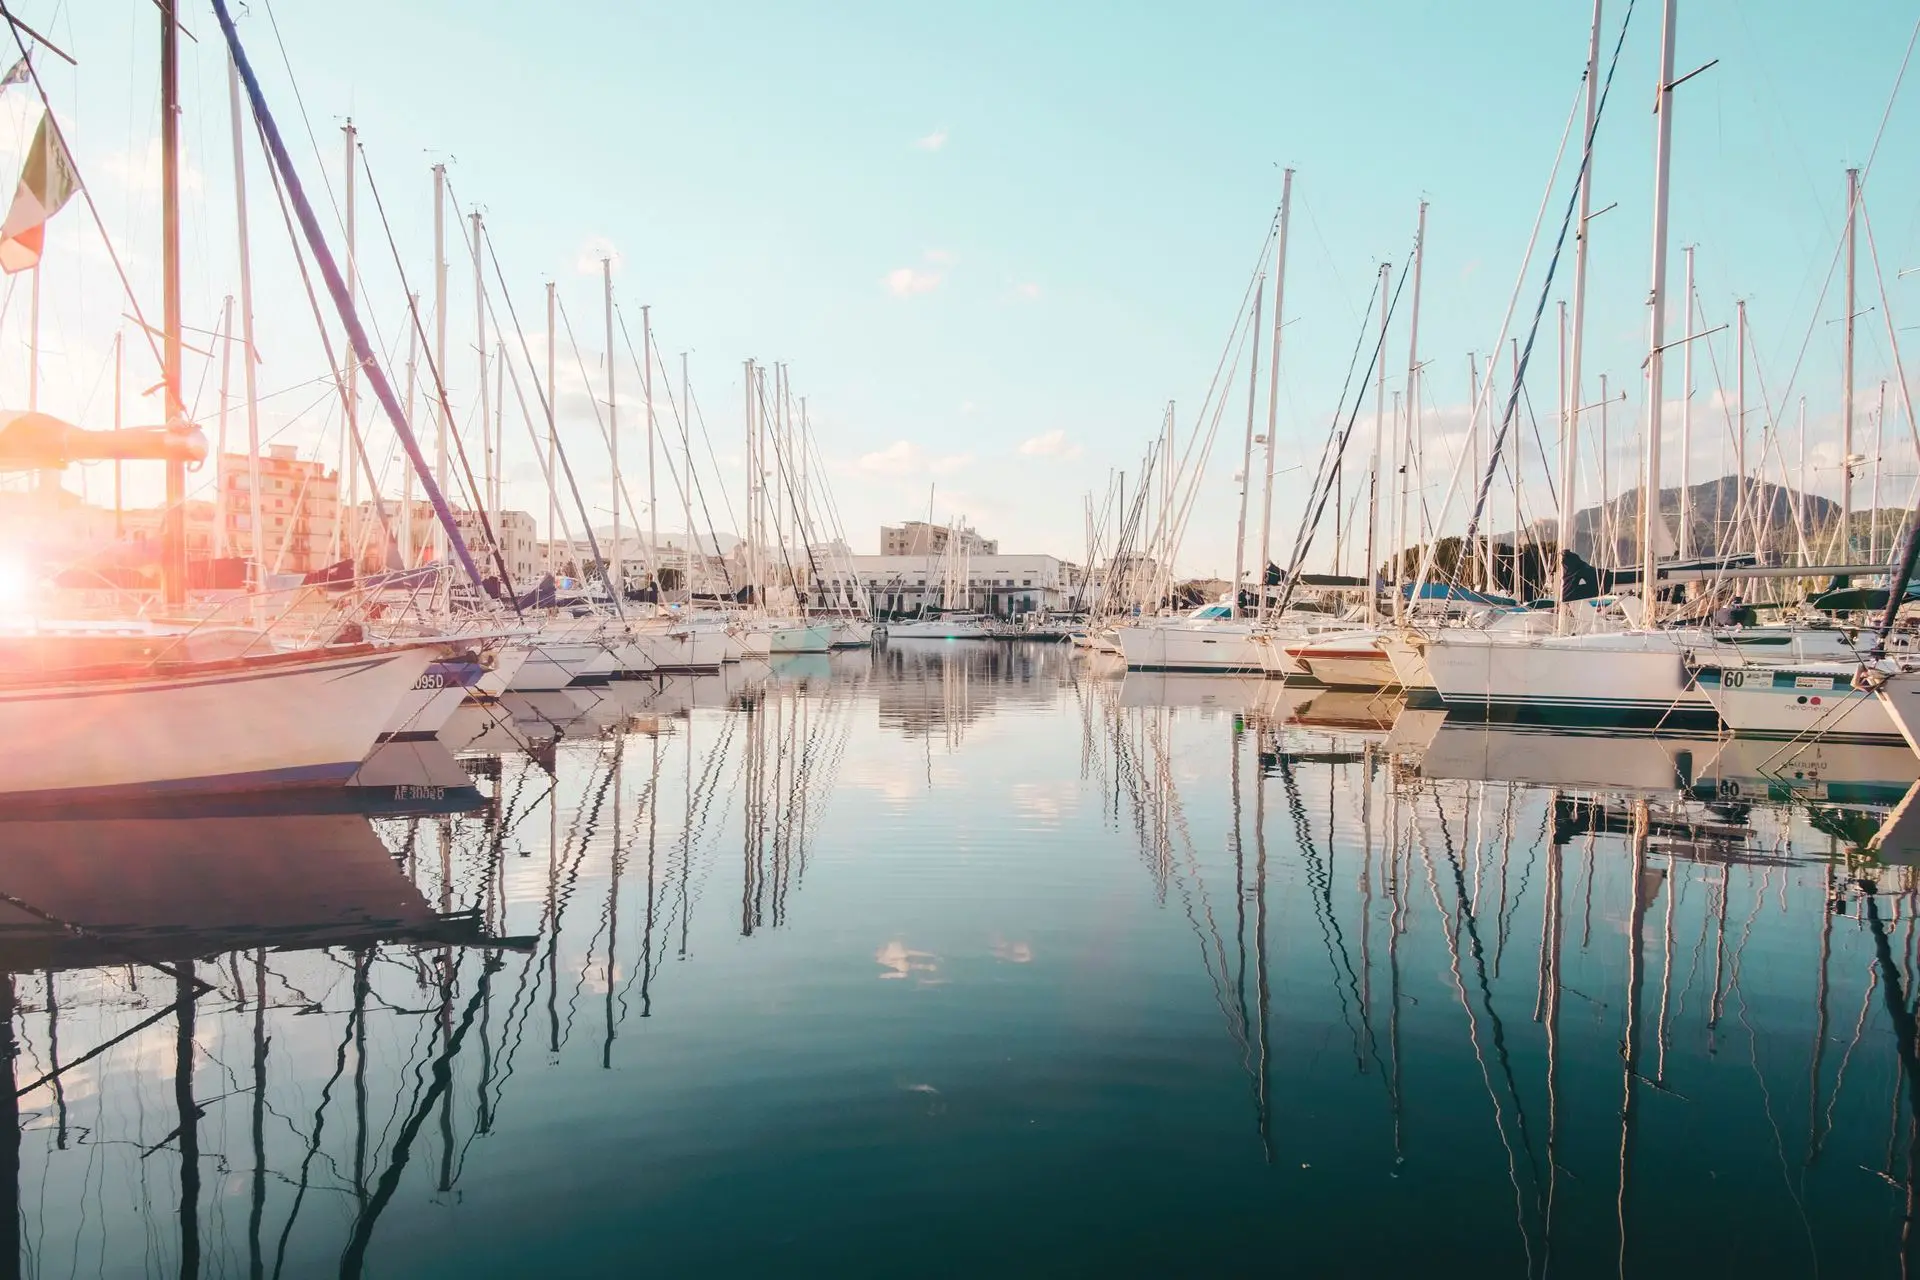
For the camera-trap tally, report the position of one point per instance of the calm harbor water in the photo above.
(956, 959)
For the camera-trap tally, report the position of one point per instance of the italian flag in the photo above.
(47, 183)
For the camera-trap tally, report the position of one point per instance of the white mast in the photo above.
(1379, 436)
(350, 434)
(1413, 377)
(1657, 322)
(258, 539)
(1473, 436)
(499, 429)
(653, 493)
(441, 551)
(1571, 454)
(686, 475)
(1740, 428)
(553, 461)
(487, 481)
(1519, 458)
(751, 559)
(406, 473)
(1273, 389)
(1246, 457)
(1879, 446)
(1685, 544)
(220, 449)
(616, 577)
(1846, 385)
(1561, 532)
(1607, 514)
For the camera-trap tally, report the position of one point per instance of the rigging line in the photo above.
(606, 437)
(1546, 287)
(786, 480)
(425, 350)
(1310, 525)
(336, 287)
(86, 193)
(326, 343)
(526, 353)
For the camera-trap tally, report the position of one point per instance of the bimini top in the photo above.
(1459, 595)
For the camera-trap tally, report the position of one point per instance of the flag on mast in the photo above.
(18, 75)
(46, 183)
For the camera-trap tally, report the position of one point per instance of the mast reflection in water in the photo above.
(968, 957)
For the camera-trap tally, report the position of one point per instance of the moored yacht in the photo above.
(1208, 639)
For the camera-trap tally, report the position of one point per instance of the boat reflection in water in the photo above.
(939, 952)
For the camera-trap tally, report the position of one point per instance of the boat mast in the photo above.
(617, 580)
(406, 473)
(1413, 377)
(1570, 450)
(1879, 445)
(441, 548)
(1379, 436)
(686, 476)
(1273, 390)
(1657, 322)
(1246, 456)
(1846, 384)
(1685, 544)
(173, 571)
(1470, 554)
(220, 449)
(553, 492)
(350, 433)
(485, 423)
(1740, 511)
(653, 496)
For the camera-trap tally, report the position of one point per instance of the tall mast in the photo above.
(220, 448)
(1379, 435)
(1607, 514)
(1519, 457)
(1740, 511)
(441, 550)
(1846, 384)
(350, 433)
(500, 454)
(1413, 377)
(1273, 388)
(1246, 457)
(653, 493)
(1561, 532)
(1570, 467)
(174, 552)
(120, 380)
(406, 473)
(1879, 446)
(1685, 544)
(686, 476)
(487, 481)
(752, 557)
(1471, 554)
(1657, 322)
(617, 579)
(553, 491)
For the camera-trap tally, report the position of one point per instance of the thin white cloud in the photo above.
(1050, 444)
(932, 142)
(1027, 289)
(906, 282)
(903, 457)
(587, 261)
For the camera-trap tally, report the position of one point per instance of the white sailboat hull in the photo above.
(1634, 681)
(1351, 661)
(555, 664)
(236, 726)
(1812, 701)
(1178, 646)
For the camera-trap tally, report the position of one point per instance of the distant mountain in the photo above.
(1712, 506)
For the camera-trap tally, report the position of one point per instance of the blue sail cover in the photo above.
(1458, 595)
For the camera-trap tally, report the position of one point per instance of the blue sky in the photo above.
(976, 227)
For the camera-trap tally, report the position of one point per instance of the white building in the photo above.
(1004, 585)
(918, 538)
